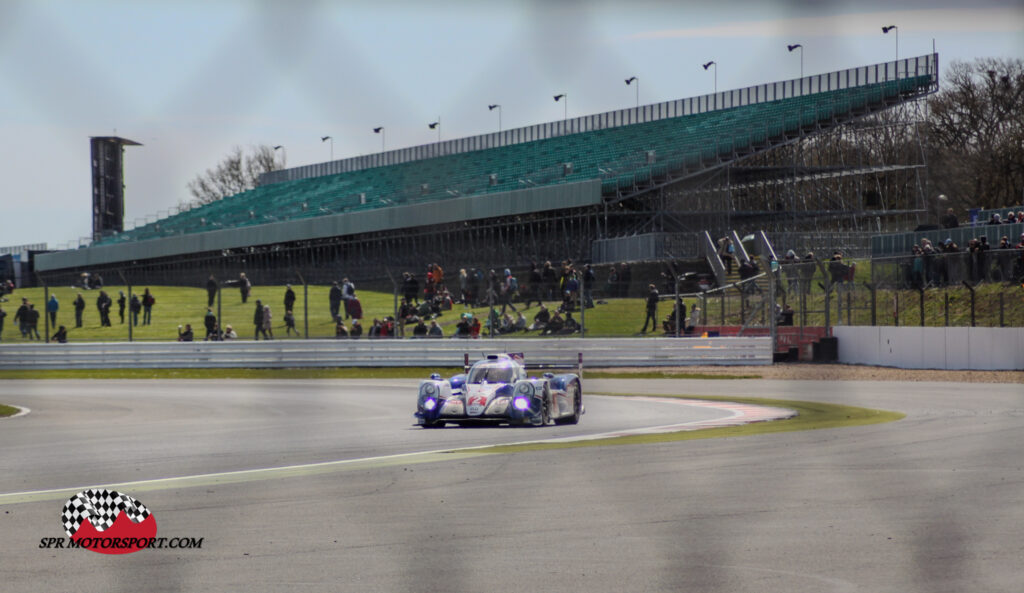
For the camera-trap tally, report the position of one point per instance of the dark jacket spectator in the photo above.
(122, 301)
(652, 308)
(334, 299)
(210, 321)
(186, 335)
(257, 321)
(61, 337)
(135, 307)
(948, 220)
(244, 287)
(147, 307)
(289, 298)
(79, 305)
(211, 291)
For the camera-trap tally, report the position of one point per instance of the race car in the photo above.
(498, 389)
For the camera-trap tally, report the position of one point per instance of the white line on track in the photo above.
(738, 414)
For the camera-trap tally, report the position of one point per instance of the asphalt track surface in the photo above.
(934, 502)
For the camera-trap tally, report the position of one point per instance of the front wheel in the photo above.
(437, 424)
(576, 394)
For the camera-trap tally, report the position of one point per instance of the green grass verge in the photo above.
(810, 416)
(7, 410)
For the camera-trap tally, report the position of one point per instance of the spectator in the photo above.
(554, 325)
(995, 219)
(61, 337)
(244, 287)
(257, 321)
(534, 285)
(357, 329)
(571, 325)
(550, 280)
(348, 294)
(268, 328)
(462, 328)
(340, 331)
(147, 307)
(589, 280)
(652, 308)
(420, 331)
(210, 321)
(334, 300)
(410, 288)
(786, 315)
(211, 292)
(520, 324)
(474, 328)
(3, 314)
(289, 323)
(949, 220)
(464, 287)
(540, 319)
(79, 305)
(103, 303)
(435, 330)
(21, 317)
(289, 298)
(134, 307)
(229, 333)
(52, 306)
(509, 287)
(121, 303)
(186, 335)
(611, 285)
(726, 252)
(694, 319)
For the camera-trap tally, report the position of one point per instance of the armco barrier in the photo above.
(952, 348)
(640, 352)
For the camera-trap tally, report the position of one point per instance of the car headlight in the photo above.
(429, 388)
(521, 403)
(429, 404)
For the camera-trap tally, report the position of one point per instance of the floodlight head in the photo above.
(278, 146)
(630, 79)
(325, 138)
(794, 46)
(378, 130)
(889, 28)
(557, 97)
(493, 107)
(433, 125)
(708, 65)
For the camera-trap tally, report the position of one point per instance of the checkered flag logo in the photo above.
(100, 508)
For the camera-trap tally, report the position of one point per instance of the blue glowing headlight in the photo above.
(429, 404)
(521, 403)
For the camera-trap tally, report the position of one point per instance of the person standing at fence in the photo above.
(257, 321)
(334, 299)
(652, 308)
(3, 314)
(289, 323)
(289, 298)
(52, 306)
(210, 321)
(134, 307)
(348, 294)
(244, 287)
(148, 300)
(33, 322)
(104, 303)
(79, 305)
(948, 220)
(211, 291)
(121, 303)
(268, 326)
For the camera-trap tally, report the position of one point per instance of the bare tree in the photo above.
(235, 174)
(976, 130)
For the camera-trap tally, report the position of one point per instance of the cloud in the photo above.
(965, 20)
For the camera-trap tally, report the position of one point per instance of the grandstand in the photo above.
(548, 191)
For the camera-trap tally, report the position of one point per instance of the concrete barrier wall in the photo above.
(953, 348)
(386, 353)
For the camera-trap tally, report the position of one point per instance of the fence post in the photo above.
(849, 307)
(947, 308)
(128, 285)
(871, 288)
(896, 308)
(305, 304)
(1002, 309)
(45, 307)
(971, 288)
(920, 292)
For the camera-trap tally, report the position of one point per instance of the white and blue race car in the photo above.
(498, 389)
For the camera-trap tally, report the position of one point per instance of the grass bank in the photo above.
(7, 411)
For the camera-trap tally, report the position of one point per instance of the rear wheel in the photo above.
(576, 394)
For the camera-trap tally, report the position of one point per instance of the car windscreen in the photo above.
(491, 374)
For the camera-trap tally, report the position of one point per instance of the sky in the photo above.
(191, 79)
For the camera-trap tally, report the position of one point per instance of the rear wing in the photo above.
(521, 359)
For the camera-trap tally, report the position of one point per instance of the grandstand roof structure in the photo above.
(574, 163)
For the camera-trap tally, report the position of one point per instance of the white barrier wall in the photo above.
(953, 348)
(640, 352)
